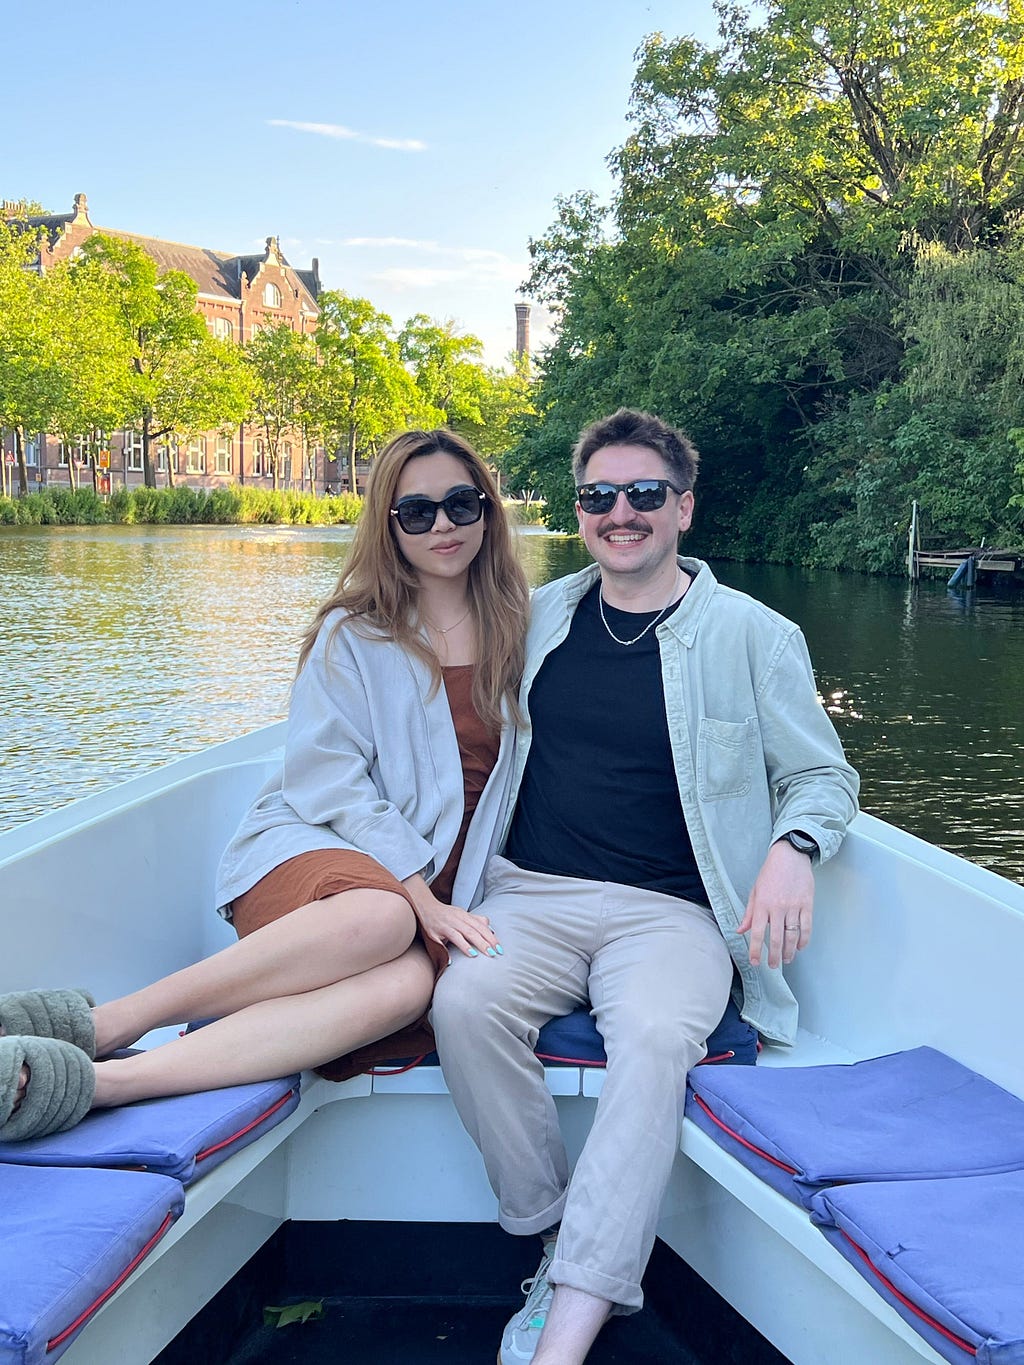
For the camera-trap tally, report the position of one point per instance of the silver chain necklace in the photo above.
(649, 625)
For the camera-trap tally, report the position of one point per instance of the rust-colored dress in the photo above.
(326, 872)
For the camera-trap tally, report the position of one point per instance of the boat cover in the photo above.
(183, 1136)
(947, 1254)
(575, 1039)
(910, 1115)
(70, 1238)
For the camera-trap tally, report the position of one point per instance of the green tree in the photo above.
(446, 367)
(367, 390)
(60, 358)
(179, 380)
(754, 277)
(285, 370)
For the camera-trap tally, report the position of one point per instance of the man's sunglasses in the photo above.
(462, 507)
(643, 495)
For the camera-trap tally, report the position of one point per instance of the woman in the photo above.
(346, 877)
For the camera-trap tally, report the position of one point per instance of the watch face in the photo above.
(803, 843)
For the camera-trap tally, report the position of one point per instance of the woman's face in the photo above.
(446, 550)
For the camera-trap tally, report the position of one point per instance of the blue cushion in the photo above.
(908, 1116)
(70, 1238)
(182, 1136)
(947, 1254)
(575, 1039)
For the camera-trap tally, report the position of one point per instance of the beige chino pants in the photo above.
(657, 973)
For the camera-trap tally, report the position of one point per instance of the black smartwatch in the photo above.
(803, 843)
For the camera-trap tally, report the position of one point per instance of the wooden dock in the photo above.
(986, 560)
(965, 564)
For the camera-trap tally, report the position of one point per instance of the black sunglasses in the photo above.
(643, 495)
(462, 507)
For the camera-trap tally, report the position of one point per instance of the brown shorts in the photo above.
(307, 878)
(313, 877)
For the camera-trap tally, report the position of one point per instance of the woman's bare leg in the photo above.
(275, 1037)
(316, 945)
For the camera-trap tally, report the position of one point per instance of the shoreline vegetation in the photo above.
(234, 505)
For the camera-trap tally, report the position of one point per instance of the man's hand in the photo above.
(781, 905)
(449, 925)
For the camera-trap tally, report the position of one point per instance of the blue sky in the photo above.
(414, 147)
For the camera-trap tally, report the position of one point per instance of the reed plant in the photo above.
(181, 506)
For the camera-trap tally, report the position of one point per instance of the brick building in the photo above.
(237, 296)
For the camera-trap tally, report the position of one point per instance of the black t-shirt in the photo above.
(599, 797)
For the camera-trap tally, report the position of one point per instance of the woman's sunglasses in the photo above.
(643, 495)
(462, 507)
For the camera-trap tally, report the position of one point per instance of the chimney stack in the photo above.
(523, 334)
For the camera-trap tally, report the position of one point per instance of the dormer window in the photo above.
(271, 296)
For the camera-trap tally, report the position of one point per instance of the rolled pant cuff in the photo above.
(624, 1296)
(536, 1223)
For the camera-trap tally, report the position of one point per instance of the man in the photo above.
(677, 781)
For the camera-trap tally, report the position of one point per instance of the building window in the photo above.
(162, 451)
(222, 329)
(195, 456)
(133, 450)
(31, 448)
(78, 450)
(258, 449)
(222, 458)
(286, 467)
(271, 296)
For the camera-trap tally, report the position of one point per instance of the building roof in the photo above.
(215, 272)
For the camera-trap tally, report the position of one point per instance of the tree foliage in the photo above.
(178, 380)
(807, 216)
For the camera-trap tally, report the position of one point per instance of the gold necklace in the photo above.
(443, 630)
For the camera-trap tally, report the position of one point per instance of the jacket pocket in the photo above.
(725, 757)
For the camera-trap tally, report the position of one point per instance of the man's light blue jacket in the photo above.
(755, 754)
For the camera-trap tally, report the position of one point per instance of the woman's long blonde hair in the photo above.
(379, 590)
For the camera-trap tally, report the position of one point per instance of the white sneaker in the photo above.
(520, 1338)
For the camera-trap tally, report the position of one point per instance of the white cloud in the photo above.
(466, 264)
(340, 132)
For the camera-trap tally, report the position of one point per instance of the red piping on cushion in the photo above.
(397, 1070)
(580, 1061)
(56, 1341)
(790, 1170)
(209, 1151)
(569, 1061)
(925, 1317)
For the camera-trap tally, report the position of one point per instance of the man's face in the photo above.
(623, 541)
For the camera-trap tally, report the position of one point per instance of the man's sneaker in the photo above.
(520, 1338)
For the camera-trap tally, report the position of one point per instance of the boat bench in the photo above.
(105, 1192)
(911, 1165)
(83, 1209)
(844, 1147)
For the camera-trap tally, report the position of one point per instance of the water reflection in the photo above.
(125, 646)
(924, 689)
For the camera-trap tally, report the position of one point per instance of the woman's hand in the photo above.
(450, 925)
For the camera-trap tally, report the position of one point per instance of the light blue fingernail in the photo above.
(473, 952)
(491, 952)
(499, 950)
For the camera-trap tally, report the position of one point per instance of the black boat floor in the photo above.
(438, 1294)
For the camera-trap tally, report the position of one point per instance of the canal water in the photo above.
(123, 647)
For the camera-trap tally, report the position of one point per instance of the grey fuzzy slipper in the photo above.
(61, 1085)
(50, 1014)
